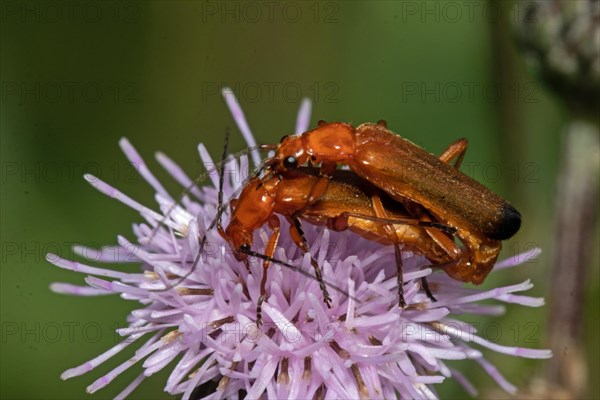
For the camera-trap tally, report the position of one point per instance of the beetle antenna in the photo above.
(222, 179)
(218, 166)
(217, 220)
(444, 228)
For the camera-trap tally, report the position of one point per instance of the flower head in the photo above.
(362, 347)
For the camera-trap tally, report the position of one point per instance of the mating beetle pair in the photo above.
(395, 193)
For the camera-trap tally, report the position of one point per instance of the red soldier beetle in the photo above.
(430, 187)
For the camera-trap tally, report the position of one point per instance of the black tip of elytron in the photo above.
(510, 223)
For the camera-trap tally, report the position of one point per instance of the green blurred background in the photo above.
(78, 76)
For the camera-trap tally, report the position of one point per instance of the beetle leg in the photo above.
(319, 188)
(232, 206)
(391, 233)
(447, 244)
(442, 239)
(342, 222)
(477, 259)
(297, 235)
(274, 224)
(456, 149)
(425, 286)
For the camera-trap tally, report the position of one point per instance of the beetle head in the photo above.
(290, 154)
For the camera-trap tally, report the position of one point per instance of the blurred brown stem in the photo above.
(577, 211)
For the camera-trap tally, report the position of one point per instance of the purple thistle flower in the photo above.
(363, 347)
